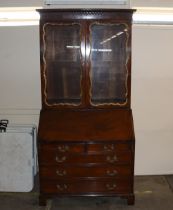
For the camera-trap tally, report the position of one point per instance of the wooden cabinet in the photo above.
(86, 137)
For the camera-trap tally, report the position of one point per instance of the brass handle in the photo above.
(61, 173)
(111, 186)
(60, 159)
(111, 159)
(113, 173)
(63, 148)
(109, 147)
(61, 187)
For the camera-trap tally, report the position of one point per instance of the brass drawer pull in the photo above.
(109, 147)
(63, 148)
(111, 186)
(111, 159)
(60, 159)
(61, 187)
(113, 173)
(61, 173)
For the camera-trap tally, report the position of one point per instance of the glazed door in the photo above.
(108, 69)
(63, 64)
(85, 64)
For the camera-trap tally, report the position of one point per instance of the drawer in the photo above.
(57, 172)
(53, 158)
(86, 147)
(86, 187)
(63, 148)
(107, 147)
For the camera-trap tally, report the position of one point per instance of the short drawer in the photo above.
(86, 187)
(63, 148)
(107, 147)
(53, 158)
(57, 172)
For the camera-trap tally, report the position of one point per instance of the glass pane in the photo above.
(108, 63)
(62, 60)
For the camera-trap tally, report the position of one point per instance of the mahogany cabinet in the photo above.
(86, 138)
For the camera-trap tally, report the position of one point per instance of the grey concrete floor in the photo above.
(151, 192)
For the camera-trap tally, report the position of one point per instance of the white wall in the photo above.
(152, 3)
(139, 3)
(20, 3)
(20, 99)
(152, 98)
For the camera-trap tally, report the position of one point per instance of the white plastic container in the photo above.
(18, 158)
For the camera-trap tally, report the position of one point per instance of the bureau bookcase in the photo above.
(86, 138)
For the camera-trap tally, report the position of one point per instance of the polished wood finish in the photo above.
(55, 158)
(86, 125)
(86, 139)
(85, 171)
(110, 186)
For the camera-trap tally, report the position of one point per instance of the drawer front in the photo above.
(63, 148)
(53, 158)
(107, 147)
(58, 172)
(86, 147)
(86, 187)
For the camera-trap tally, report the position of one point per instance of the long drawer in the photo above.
(54, 158)
(86, 187)
(86, 147)
(57, 172)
